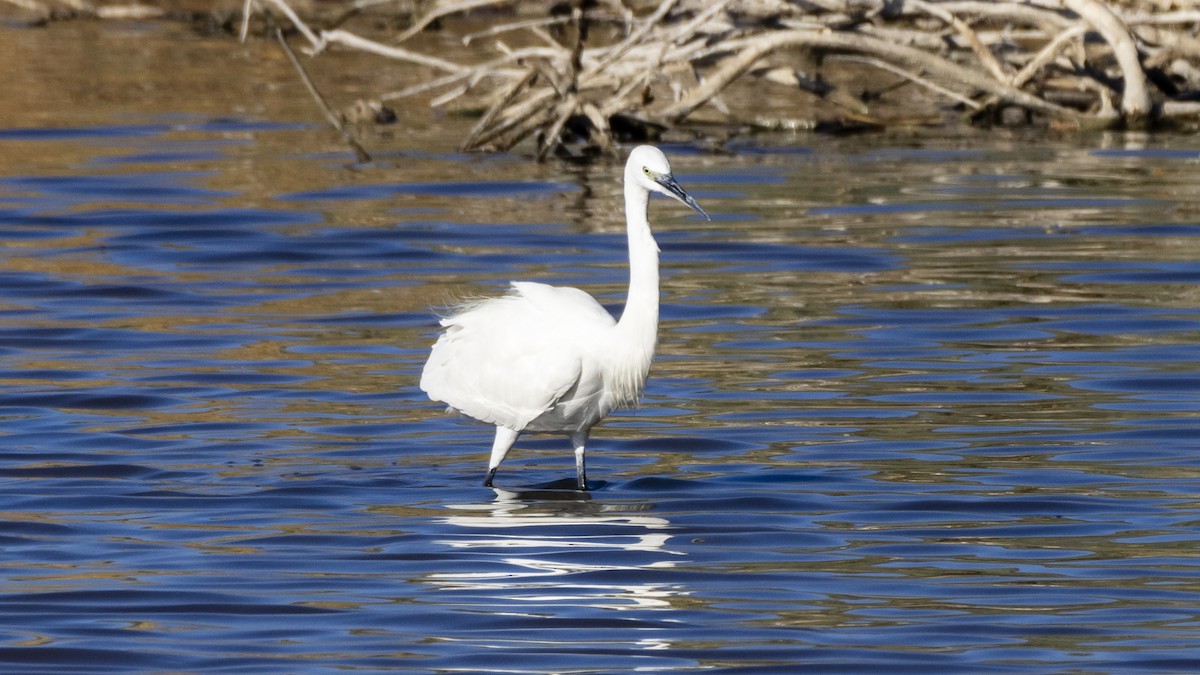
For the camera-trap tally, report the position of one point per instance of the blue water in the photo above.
(922, 404)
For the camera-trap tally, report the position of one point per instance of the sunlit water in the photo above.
(921, 405)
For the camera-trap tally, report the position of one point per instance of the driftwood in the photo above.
(1070, 63)
(579, 75)
(46, 10)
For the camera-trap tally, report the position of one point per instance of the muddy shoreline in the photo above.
(574, 80)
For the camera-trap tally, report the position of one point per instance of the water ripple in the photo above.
(925, 409)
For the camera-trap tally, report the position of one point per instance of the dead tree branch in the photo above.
(576, 73)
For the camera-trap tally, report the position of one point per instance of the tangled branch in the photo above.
(602, 69)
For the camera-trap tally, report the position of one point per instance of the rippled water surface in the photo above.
(923, 404)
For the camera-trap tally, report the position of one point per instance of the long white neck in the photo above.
(638, 327)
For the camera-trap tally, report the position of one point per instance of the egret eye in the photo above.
(646, 170)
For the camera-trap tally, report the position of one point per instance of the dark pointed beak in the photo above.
(672, 187)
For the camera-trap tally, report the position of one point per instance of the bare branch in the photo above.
(355, 42)
(444, 10)
(913, 58)
(1135, 100)
(330, 116)
(915, 79)
(659, 69)
(1047, 54)
(291, 15)
(986, 57)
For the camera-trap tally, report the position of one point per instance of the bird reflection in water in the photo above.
(563, 550)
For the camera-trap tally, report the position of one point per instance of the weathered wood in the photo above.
(1135, 99)
(682, 55)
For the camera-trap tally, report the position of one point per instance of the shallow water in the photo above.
(927, 404)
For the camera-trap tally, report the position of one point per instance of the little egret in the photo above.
(547, 359)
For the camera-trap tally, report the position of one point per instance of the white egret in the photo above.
(547, 359)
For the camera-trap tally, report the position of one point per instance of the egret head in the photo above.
(648, 167)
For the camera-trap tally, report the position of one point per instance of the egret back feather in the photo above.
(510, 360)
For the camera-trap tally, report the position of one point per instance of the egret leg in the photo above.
(505, 438)
(579, 440)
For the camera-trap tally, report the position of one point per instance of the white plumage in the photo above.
(552, 359)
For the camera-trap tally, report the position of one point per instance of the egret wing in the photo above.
(508, 360)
